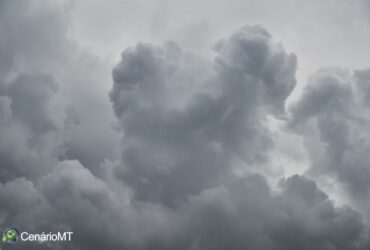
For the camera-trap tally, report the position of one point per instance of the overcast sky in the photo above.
(197, 125)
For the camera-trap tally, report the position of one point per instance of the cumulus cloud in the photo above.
(30, 119)
(190, 162)
(43, 81)
(242, 214)
(333, 117)
(171, 151)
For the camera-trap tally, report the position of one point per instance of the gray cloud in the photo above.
(197, 143)
(242, 214)
(30, 119)
(43, 81)
(249, 216)
(170, 151)
(362, 78)
(31, 102)
(333, 117)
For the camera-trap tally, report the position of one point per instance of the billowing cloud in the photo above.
(189, 162)
(174, 147)
(30, 118)
(44, 103)
(242, 214)
(333, 116)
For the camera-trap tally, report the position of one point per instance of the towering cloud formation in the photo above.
(177, 143)
(197, 142)
(180, 149)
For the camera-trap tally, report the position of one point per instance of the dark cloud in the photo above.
(329, 91)
(249, 216)
(196, 141)
(362, 78)
(333, 117)
(43, 82)
(30, 119)
(170, 151)
(31, 102)
(239, 215)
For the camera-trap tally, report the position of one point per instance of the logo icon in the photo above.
(10, 235)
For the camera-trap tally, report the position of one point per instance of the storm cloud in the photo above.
(177, 143)
(333, 116)
(172, 149)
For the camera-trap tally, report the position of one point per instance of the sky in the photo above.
(187, 125)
